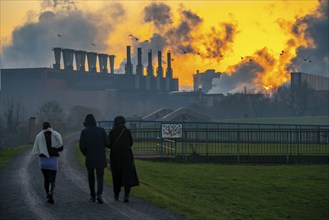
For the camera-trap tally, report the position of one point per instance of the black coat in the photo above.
(93, 141)
(121, 156)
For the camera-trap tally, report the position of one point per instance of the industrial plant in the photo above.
(75, 83)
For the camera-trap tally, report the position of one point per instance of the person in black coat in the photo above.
(93, 141)
(122, 159)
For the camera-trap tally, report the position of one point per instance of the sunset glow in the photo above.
(228, 36)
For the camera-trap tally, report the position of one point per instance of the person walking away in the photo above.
(47, 144)
(121, 159)
(93, 141)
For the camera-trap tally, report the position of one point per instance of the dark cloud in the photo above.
(158, 13)
(66, 5)
(33, 42)
(317, 31)
(180, 38)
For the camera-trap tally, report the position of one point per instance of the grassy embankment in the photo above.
(215, 191)
(7, 154)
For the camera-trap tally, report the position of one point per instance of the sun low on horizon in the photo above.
(230, 37)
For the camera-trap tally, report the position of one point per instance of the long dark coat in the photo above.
(121, 156)
(93, 141)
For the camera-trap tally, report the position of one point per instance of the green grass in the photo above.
(215, 191)
(7, 154)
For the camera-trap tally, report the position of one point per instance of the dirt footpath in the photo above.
(22, 194)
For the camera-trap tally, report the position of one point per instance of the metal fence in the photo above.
(229, 142)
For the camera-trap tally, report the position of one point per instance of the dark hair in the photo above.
(89, 121)
(46, 125)
(119, 120)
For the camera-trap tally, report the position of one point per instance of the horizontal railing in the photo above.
(233, 143)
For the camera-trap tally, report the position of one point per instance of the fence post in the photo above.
(238, 146)
(161, 147)
(183, 146)
(288, 143)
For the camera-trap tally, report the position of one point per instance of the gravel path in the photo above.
(22, 194)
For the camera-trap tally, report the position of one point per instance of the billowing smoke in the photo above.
(243, 77)
(181, 37)
(263, 70)
(71, 28)
(313, 58)
(219, 41)
(155, 43)
(157, 13)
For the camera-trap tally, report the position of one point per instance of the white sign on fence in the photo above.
(172, 130)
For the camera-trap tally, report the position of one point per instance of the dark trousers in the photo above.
(91, 181)
(49, 180)
(117, 183)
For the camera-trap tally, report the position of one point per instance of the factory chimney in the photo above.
(57, 52)
(129, 65)
(160, 68)
(169, 71)
(111, 58)
(102, 58)
(150, 70)
(139, 67)
(80, 60)
(68, 59)
(91, 56)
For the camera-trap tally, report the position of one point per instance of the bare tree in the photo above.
(78, 113)
(52, 112)
(12, 118)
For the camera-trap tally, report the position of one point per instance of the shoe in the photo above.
(126, 198)
(92, 199)
(50, 199)
(100, 200)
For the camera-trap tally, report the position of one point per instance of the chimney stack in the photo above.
(57, 52)
(139, 67)
(129, 65)
(150, 70)
(169, 71)
(160, 68)
(91, 56)
(80, 59)
(111, 58)
(102, 58)
(68, 59)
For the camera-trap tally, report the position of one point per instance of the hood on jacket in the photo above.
(89, 121)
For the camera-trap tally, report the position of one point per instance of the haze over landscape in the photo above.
(256, 44)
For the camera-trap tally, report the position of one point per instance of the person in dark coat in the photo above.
(93, 142)
(122, 159)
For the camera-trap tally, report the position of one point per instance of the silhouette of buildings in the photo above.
(75, 83)
(203, 81)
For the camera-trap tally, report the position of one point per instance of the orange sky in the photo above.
(256, 22)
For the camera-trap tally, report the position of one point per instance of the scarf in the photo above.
(40, 145)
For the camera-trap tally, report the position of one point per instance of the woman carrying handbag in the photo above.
(121, 159)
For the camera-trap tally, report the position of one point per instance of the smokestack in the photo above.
(111, 57)
(91, 56)
(169, 69)
(102, 58)
(129, 65)
(139, 67)
(57, 52)
(160, 68)
(150, 70)
(68, 59)
(80, 60)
